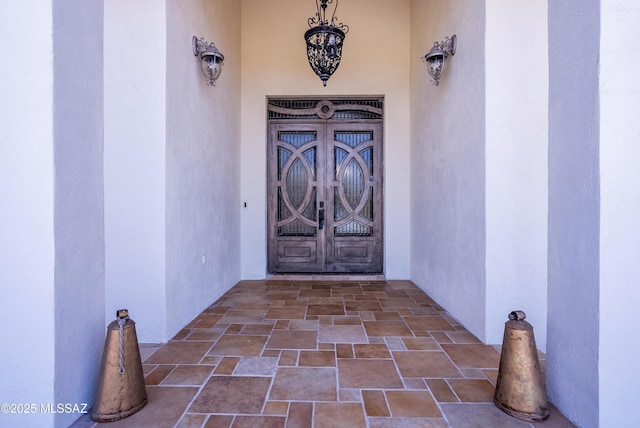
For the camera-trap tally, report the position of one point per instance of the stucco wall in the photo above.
(479, 153)
(26, 216)
(203, 160)
(79, 208)
(171, 162)
(574, 205)
(134, 163)
(51, 221)
(274, 62)
(448, 161)
(516, 72)
(619, 372)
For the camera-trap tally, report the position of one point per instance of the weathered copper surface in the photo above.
(520, 388)
(119, 395)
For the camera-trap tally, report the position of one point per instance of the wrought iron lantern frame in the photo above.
(325, 39)
(436, 59)
(211, 59)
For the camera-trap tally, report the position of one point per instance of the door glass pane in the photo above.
(339, 156)
(353, 138)
(297, 171)
(339, 211)
(283, 211)
(367, 210)
(353, 228)
(297, 183)
(297, 138)
(296, 228)
(283, 157)
(353, 183)
(310, 156)
(367, 157)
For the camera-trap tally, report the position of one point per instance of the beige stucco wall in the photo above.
(203, 160)
(171, 162)
(479, 176)
(274, 63)
(134, 164)
(448, 161)
(517, 134)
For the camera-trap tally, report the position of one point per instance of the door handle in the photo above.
(321, 216)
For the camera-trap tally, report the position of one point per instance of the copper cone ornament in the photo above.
(520, 388)
(121, 391)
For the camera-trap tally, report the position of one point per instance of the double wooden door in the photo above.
(325, 196)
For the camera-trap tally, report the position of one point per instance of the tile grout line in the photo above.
(204, 383)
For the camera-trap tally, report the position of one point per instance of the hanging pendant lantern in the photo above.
(324, 41)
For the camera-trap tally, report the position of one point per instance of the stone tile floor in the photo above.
(322, 354)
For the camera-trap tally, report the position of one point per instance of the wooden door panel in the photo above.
(348, 251)
(354, 233)
(295, 167)
(297, 251)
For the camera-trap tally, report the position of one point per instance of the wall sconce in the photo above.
(436, 58)
(324, 41)
(211, 59)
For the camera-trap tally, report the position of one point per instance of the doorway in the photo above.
(324, 186)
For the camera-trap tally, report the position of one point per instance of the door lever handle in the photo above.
(320, 219)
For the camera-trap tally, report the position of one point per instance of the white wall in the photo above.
(574, 210)
(51, 221)
(448, 161)
(275, 63)
(26, 216)
(134, 163)
(79, 208)
(516, 72)
(203, 160)
(479, 172)
(172, 174)
(619, 372)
